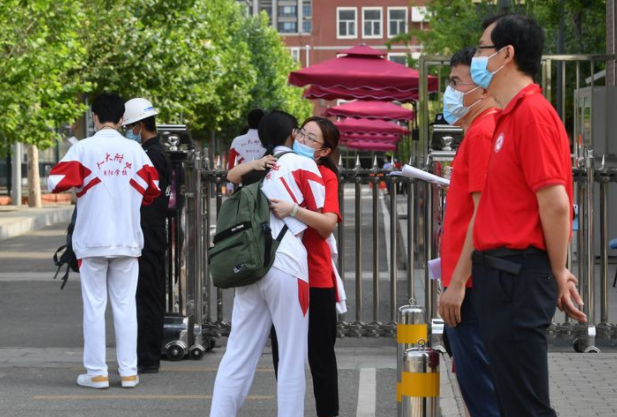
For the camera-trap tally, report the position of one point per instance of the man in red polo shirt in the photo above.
(471, 107)
(523, 221)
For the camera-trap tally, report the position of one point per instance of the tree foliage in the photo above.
(40, 57)
(203, 62)
(454, 24)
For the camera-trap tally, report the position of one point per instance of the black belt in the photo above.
(493, 258)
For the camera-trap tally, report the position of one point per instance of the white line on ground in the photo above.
(386, 226)
(367, 392)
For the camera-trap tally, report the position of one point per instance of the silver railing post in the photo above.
(393, 248)
(358, 228)
(590, 299)
(376, 296)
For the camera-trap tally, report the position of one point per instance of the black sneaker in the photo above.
(147, 369)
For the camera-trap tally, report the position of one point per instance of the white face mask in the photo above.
(479, 70)
(453, 107)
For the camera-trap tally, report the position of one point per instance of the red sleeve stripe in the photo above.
(231, 162)
(291, 194)
(91, 184)
(141, 190)
(74, 174)
(150, 177)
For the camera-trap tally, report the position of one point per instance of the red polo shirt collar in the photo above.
(527, 91)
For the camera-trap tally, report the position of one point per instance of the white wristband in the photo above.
(294, 211)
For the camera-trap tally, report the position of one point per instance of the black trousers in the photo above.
(514, 312)
(321, 355)
(151, 299)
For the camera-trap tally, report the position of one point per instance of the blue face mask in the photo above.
(453, 107)
(304, 150)
(479, 70)
(130, 135)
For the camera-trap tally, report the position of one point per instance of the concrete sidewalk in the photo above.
(17, 220)
(40, 350)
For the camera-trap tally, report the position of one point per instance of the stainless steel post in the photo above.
(411, 328)
(219, 201)
(197, 350)
(603, 179)
(393, 249)
(411, 242)
(420, 383)
(590, 300)
(358, 228)
(428, 247)
(376, 297)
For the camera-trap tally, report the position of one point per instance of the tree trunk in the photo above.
(34, 180)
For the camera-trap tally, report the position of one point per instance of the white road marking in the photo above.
(367, 393)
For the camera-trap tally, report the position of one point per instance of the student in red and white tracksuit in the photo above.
(281, 297)
(316, 140)
(113, 177)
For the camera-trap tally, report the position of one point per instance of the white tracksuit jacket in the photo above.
(113, 176)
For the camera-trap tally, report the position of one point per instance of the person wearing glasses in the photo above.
(140, 126)
(472, 107)
(523, 221)
(316, 139)
(281, 297)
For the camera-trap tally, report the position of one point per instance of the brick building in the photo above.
(314, 30)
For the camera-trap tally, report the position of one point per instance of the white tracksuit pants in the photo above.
(118, 278)
(275, 299)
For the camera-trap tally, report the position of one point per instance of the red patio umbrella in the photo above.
(370, 146)
(371, 110)
(334, 93)
(375, 126)
(369, 137)
(362, 67)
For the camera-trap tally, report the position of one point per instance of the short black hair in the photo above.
(524, 34)
(108, 107)
(254, 117)
(149, 123)
(275, 127)
(463, 57)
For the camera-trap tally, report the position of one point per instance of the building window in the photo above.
(397, 21)
(307, 26)
(399, 58)
(307, 9)
(371, 22)
(346, 18)
(288, 27)
(288, 11)
(295, 53)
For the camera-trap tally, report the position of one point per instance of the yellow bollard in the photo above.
(420, 382)
(411, 328)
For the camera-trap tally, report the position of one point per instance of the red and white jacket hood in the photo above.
(113, 177)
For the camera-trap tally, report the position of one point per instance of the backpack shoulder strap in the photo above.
(278, 155)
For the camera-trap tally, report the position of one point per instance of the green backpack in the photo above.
(243, 249)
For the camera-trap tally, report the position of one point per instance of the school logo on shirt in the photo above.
(499, 142)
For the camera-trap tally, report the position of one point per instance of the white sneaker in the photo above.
(129, 381)
(98, 382)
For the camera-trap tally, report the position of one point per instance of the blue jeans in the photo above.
(472, 369)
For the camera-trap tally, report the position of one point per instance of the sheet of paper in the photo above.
(434, 268)
(276, 190)
(413, 172)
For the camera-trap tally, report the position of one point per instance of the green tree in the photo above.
(273, 63)
(454, 24)
(40, 79)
